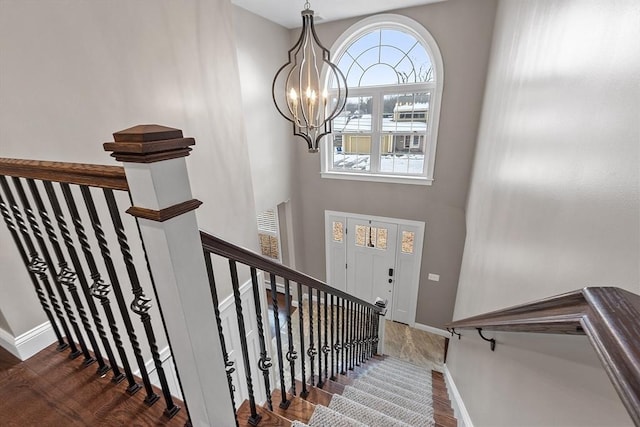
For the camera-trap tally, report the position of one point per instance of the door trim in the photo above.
(418, 249)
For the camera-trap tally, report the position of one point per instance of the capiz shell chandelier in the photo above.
(298, 91)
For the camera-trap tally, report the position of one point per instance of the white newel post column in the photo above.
(154, 160)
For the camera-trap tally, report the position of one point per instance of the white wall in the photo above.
(74, 71)
(262, 47)
(553, 205)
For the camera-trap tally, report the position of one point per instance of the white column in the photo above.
(153, 158)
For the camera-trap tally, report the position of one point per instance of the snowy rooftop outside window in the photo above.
(418, 106)
(344, 124)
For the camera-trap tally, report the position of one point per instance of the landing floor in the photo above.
(51, 390)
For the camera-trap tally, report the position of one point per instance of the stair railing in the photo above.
(188, 276)
(608, 316)
(324, 314)
(72, 272)
(64, 219)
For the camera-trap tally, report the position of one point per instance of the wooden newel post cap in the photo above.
(148, 144)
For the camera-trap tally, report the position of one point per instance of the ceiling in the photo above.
(287, 12)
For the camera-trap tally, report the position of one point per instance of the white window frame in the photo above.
(421, 34)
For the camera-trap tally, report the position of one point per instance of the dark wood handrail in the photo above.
(610, 317)
(102, 176)
(228, 250)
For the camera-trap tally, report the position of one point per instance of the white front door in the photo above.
(371, 259)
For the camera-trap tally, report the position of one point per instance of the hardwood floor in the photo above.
(49, 389)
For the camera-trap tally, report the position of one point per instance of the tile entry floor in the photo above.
(413, 345)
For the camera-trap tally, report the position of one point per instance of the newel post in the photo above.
(381, 325)
(154, 161)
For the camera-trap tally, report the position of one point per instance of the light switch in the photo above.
(434, 277)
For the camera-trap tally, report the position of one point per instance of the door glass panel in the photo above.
(338, 231)
(408, 238)
(361, 233)
(371, 237)
(381, 241)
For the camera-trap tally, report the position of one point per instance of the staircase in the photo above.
(383, 392)
(99, 313)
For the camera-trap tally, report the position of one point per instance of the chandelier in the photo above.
(297, 86)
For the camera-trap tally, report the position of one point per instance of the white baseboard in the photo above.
(31, 342)
(459, 409)
(432, 330)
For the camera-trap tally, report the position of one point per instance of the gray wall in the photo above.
(463, 31)
(73, 72)
(262, 47)
(553, 205)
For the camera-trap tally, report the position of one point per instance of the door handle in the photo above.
(391, 272)
(390, 280)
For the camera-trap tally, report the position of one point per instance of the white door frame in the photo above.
(418, 246)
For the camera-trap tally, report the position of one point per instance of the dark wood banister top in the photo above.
(608, 316)
(102, 176)
(223, 248)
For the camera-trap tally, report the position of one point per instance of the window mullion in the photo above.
(376, 129)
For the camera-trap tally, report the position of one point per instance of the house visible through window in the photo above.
(388, 128)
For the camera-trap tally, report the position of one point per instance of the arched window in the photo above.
(388, 129)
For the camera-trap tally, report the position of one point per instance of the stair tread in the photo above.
(299, 409)
(324, 417)
(268, 418)
(363, 413)
(388, 408)
(316, 395)
(333, 387)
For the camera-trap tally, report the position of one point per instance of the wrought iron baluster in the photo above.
(319, 324)
(141, 306)
(357, 334)
(358, 329)
(311, 352)
(304, 392)
(13, 229)
(373, 333)
(333, 340)
(103, 368)
(361, 334)
(66, 278)
(376, 338)
(169, 413)
(352, 330)
(343, 346)
(228, 365)
(254, 417)
(100, 290)
(264, 364)
(369, 314)
(284, 404)
(325, 348)
(41, 267)
(291, 353)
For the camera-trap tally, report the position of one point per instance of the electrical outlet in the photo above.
(434, 277)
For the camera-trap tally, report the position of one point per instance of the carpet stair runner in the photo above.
(383, 392)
